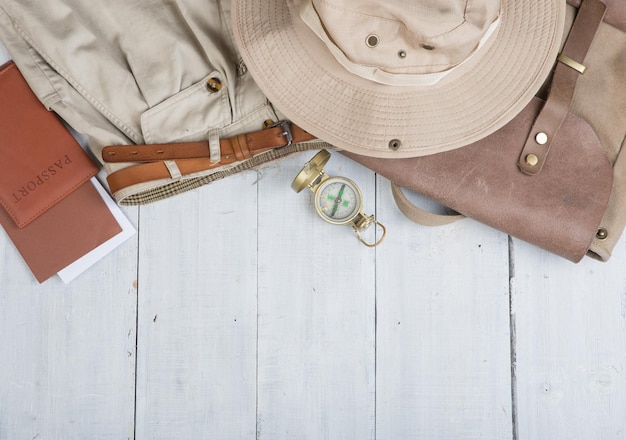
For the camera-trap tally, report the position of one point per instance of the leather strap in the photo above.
(165, 161)
(562, 88)
(233, 149)
(615, 12)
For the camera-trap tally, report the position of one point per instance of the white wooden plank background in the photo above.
(236, 313)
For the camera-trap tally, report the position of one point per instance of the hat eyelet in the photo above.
(395, 144)
(427, 46)
(372, 40)
(402, 54)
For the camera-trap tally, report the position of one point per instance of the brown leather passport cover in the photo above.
(40, 161)
(52, 212)
(70, 229)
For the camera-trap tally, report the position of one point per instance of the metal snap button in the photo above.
(602, 234)
(402, 54)
(532, 160)
(541, 138)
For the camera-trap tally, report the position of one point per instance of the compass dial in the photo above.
(338, 200)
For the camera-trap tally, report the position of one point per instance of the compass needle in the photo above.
(338, 200)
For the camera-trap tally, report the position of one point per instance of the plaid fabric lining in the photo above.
(181, 186)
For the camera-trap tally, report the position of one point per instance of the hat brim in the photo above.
(305, 82)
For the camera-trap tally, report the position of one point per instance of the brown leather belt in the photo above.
(164, 161)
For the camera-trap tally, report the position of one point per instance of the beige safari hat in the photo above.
(399, 78)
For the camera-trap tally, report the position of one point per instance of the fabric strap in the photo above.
(419, 215)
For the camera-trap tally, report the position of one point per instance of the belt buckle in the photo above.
(286, 126)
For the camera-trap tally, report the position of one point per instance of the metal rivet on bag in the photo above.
(541, 138)
(427, 47)
(214, 85)
(532, 160)
(602, 234)
(372, 40)
(395, 144)
(402, 54)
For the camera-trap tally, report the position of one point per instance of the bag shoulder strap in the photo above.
(419, 215)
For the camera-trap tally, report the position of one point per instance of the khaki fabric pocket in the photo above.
(190, 114)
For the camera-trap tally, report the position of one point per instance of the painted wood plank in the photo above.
(4, 54)
(442, 341)
(68, 352)
(316, 359)
(570, 345)
(196, 373)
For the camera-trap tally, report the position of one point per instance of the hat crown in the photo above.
(407, 37)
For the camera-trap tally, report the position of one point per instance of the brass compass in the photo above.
(338, 200)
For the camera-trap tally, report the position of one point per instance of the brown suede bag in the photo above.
(554, 176)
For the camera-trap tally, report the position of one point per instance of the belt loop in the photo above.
(214, 145)
(173, 169)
